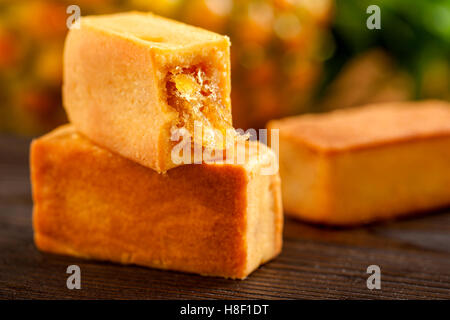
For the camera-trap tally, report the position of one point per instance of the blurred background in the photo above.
(288, 56)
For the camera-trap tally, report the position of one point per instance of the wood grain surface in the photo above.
(316, 263)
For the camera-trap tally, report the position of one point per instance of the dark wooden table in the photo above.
(316, 263)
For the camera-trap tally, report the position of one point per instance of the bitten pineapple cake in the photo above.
(130, 78)
(359, 165)
(212, 219)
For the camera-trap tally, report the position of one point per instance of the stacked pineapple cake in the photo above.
(107, 187)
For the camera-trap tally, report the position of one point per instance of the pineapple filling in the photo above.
(196, 97)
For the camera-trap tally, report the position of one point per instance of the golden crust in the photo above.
(335, 172)
(92, 203)
(115, 84)
(368, 126)
(152, 29)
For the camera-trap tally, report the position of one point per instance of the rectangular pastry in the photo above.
(212, 219)
(359, 165)
(130, 78)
